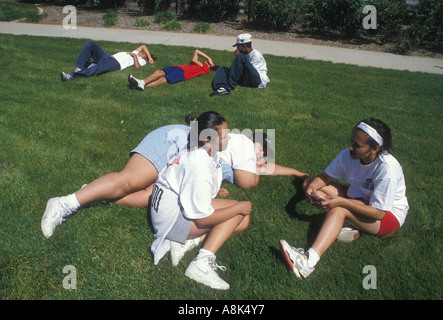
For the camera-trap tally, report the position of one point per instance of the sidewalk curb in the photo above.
(277, 48)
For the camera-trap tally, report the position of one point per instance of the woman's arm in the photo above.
(355, 206)
(278, 170)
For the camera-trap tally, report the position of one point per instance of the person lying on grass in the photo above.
(102, 62)
(372, 201)
(177, 73)
(242, 164)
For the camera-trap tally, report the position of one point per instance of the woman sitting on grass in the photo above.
(183, 210)
(374, 200)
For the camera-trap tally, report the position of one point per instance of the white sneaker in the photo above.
(65, 76)
(203, 270)
(77, 69)
(178, 250)
(296, 260)
(348, 234)
(135, 83)
(56, 211)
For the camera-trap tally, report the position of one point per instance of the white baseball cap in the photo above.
(243, 38)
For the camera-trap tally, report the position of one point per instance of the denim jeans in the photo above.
(103, 61)
(241, 72)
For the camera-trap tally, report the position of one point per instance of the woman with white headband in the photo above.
(372, 201)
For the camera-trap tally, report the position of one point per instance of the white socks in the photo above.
(313, 258)
(203, 253)
(72, 202)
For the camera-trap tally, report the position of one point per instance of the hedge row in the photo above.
(417, 26)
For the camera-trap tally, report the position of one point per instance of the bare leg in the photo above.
(154, 77)
(218, 234)
(138, 174)
(139, 199)
(334, 222)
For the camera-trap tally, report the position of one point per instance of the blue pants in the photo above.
(104, 62)
(241, 72)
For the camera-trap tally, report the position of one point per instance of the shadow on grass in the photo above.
(300, 209)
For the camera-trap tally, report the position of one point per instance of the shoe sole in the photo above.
(288, 261)
(349, 236)
(134, 84)
(44, 218)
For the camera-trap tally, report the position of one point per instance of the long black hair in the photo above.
(383, 130)
(207, 120)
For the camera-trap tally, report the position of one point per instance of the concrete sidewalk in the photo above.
(278, 48)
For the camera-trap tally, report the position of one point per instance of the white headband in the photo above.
(371, 132)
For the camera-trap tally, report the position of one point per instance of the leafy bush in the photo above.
(153, 6)
(163, 17)
(172, 25)
(335, 16)
(109, 4)
(391, 16)
(65, 2)
(273, 14)
(142, 23)
(202, 27)
(427, 29)
(34, 16)
(110, 19)
(212, 10)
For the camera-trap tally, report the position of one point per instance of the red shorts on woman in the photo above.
(388, 224)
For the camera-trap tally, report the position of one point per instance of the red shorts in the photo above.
(389, 224)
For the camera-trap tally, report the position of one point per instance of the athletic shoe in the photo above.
(296, 260)
(348, 234)
(178, 250)
(135, 83)
(65, 76)
(219, 92)
(55, 213)
(77, 70)
(203, 270)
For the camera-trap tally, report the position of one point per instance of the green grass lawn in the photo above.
(56, 136)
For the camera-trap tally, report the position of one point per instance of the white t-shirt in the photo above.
(258, 61)
(125, 60)
(240, 153)
(188, 185)
(381, 183)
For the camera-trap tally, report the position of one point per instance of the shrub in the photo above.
(142, 23)
(212, 10)
(273, 14)
(163, 17)
(109, 19)
(202, 27)
(65, 2)
(335, 16)
(110, 4)
(390, 18)
(172, 25)
(153, 6)
(427, 29)
(34, 16)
